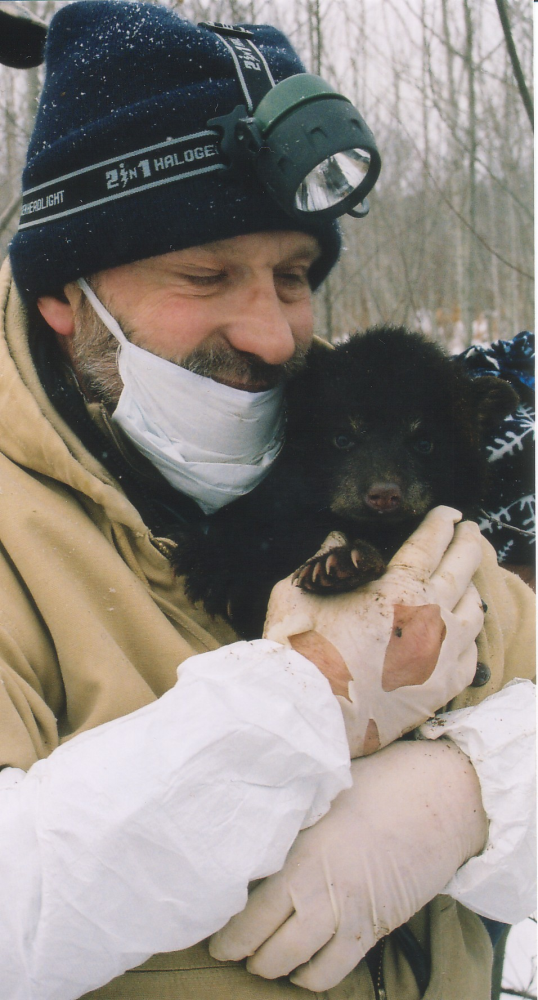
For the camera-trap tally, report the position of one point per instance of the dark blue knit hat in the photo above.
(128, 92)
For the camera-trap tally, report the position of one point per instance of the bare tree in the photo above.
(514, 59)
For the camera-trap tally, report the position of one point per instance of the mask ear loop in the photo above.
(111, 324)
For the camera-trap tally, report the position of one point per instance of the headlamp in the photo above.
(22, 36)
(302, 141)
(308, 146)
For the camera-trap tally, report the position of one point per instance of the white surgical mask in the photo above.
(210, 441)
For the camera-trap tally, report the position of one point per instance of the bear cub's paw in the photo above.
(339, 569)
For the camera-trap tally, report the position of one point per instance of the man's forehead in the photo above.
(273, 248)
(286, 243)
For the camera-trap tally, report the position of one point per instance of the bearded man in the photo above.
(154, 766)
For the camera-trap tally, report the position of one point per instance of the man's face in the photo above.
(238, 311)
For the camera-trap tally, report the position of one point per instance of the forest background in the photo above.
(448, 244)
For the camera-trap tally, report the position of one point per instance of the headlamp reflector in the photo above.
(331, 181)
(307, 145)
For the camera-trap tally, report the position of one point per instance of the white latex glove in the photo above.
(141, 835)
(386, 847)
(401, 647)
(499, 738)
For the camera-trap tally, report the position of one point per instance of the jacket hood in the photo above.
(39, 439)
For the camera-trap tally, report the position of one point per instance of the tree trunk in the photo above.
(471, 133)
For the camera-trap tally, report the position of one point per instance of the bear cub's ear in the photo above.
(494, 400)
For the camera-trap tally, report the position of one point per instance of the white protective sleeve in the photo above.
(141, 836)
(499, 738)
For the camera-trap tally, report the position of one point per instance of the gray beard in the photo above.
(95, 349)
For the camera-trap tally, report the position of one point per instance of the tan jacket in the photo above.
(93, 625)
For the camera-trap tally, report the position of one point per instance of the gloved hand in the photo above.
(401, 647)
(386, 847)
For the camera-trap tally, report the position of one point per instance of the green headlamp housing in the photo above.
(22, 36)
(308, 146)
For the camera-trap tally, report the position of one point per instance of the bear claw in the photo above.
(341, 569)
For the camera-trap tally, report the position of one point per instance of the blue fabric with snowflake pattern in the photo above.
(510, 449)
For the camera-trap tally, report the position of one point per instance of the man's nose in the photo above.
(258, 325)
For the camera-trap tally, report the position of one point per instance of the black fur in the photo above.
(380, 430)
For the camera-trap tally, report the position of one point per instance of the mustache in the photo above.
(95, 360)
(220, 362)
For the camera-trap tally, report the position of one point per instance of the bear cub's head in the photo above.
(387, 426)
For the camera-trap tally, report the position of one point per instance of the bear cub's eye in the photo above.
(423, 446)
(343, 442)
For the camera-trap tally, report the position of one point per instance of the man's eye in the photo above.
(423, 446)
(204, 279)
(295, 279)
(294, 276)
(343, 442)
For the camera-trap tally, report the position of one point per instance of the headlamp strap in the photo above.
(173, 160)
(137, 170)
(255, 77)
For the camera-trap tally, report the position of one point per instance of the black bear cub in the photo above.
(380, 430)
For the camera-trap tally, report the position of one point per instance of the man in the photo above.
(149, 803)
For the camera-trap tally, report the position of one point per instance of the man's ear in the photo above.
(59, 315)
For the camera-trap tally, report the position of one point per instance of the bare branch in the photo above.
(516, 65)
(9, 212)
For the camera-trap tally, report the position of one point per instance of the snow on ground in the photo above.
(519, 974)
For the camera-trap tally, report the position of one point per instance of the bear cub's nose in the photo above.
(384, 497)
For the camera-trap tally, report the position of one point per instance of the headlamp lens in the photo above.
(332, 180)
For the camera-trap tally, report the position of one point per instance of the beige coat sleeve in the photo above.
(506, 644)
(31, 689)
